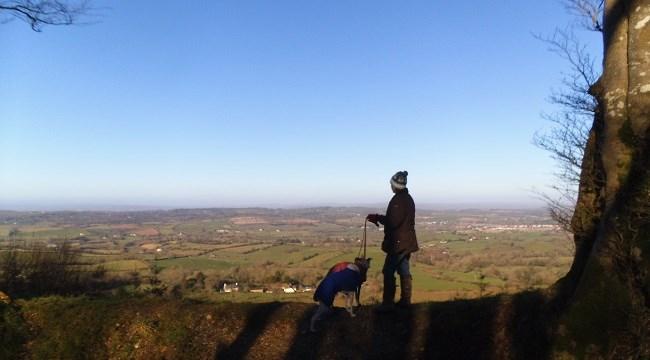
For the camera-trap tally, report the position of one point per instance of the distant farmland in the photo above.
(463, 253)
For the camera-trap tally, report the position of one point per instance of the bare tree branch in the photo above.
(567, 46)
(567, 138)
(560, 207)
(589, 12)
(38, 13)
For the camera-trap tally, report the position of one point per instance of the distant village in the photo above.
(232, 286)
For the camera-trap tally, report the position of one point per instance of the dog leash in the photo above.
(401, 257)
(363, 243)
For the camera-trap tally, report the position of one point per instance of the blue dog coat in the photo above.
(342, 277)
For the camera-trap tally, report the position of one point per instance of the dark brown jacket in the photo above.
(399, 224)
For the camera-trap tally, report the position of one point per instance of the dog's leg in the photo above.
(318, 315)
(349, 299)
(357, 295)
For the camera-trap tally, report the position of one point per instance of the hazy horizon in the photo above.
(95, 206)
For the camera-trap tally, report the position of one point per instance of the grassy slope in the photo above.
(146, 328)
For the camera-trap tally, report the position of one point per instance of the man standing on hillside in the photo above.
(399, 242)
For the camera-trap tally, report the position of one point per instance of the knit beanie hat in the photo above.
(399, 179)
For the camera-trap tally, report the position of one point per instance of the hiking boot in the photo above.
(388, 301)
(406, 287)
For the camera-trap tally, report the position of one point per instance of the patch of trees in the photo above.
(40, 270)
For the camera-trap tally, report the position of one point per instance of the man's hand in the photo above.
(373, 218)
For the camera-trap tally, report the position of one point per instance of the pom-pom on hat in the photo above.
(399, 179)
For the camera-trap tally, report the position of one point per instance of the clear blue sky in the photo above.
(278, 103)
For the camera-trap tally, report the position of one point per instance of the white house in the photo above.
(227, 288)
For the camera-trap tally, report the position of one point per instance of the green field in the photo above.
(194, 263)
(126, 265)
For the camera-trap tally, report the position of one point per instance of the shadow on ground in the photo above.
(508, 327)
(257, 320)
(500, 327)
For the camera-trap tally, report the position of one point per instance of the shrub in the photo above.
(47, 271)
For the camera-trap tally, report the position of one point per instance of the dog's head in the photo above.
(363, 264)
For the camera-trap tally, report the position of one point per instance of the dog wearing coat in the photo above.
(345, 278)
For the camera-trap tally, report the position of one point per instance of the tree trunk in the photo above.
(605, 298)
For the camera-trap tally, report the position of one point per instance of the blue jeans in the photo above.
(397, 262)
